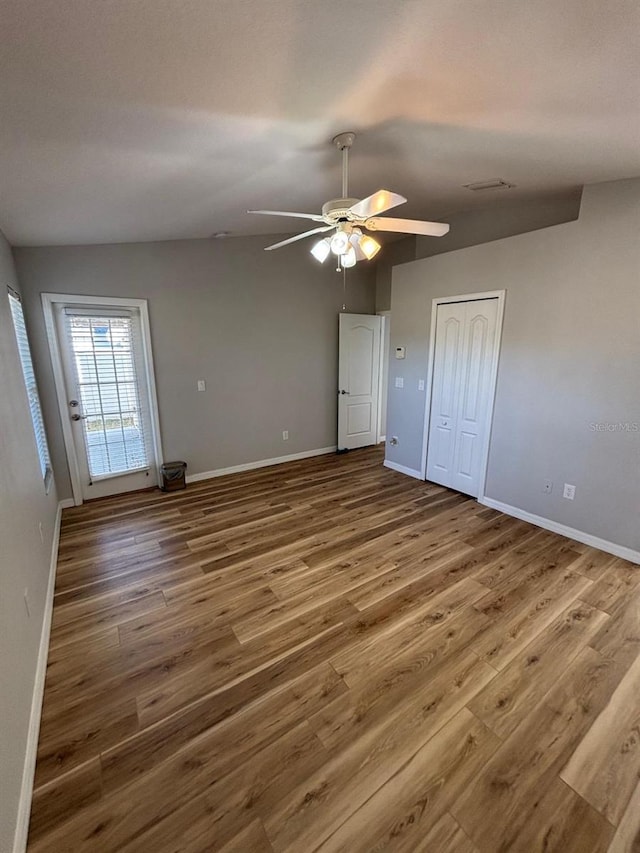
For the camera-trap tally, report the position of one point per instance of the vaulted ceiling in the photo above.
(124, 120)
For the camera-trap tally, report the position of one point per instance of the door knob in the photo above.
(74, 403)
(78, 417)
(344, 392)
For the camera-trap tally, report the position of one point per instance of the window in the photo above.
(30, 384)
(105, 347)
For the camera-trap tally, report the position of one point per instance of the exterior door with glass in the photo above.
(108, 403)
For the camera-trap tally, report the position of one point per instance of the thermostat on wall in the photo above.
(400, 352)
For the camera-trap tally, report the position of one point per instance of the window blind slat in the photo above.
(28, 373)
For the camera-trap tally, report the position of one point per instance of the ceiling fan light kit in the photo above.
(346, 217)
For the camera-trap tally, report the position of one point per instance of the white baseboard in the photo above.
(563, 530)
(65, 503)
(261, 463)
(28, 773)
(402, 469)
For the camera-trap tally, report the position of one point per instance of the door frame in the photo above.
(500, 295)
(49, 302)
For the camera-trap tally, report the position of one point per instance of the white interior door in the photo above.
(461, 393)
(107, 398)
(358, 380)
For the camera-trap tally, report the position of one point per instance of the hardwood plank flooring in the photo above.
(327, 655)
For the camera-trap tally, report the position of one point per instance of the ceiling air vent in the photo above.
(495, 184)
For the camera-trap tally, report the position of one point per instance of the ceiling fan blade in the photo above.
(315, 217)
(376, 203)
(300, 237)
(407, 226)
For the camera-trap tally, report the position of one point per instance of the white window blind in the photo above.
(30, 384)
(106, 350)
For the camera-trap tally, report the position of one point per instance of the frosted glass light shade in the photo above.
(339, 243)
(369, 246)
(321, 250)
(348, 259)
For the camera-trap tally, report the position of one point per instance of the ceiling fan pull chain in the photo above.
(344, 289)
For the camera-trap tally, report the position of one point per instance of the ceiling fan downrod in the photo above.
(344, 141)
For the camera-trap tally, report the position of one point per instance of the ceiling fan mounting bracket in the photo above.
(344, 140)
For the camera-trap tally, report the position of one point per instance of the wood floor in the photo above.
(327, 655)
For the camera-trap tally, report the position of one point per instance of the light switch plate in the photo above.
(420, 384)
(202, 385)
(399, 382)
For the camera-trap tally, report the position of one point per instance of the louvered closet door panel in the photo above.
(473, 401)
(445, 392)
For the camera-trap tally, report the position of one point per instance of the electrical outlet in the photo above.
(202, 385)
(569, 492)
(547, 487)
(285, 435)
(420, 384)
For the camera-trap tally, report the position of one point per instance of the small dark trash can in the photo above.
(173, 476)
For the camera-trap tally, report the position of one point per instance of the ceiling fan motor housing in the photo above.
(337, 210)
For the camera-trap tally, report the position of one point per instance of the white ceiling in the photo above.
(125, 120)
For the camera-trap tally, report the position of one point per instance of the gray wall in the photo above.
(498, 216)
(260, 329)
(394, 253)
(25, 559)
(570, 358)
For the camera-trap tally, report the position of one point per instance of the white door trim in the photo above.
(49, 301)
(386, 316)
(444, 300)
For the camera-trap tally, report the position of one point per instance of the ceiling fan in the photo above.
(348, 218)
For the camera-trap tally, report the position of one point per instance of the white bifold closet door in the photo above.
(460, 415)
